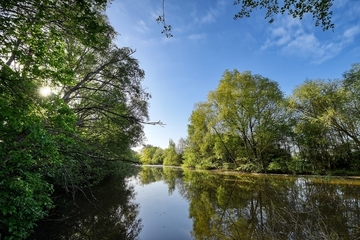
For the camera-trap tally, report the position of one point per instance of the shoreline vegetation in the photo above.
(248, 125)
(234, 172)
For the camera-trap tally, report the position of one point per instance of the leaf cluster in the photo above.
(319, 9)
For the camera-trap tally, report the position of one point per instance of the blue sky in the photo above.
(181, 71)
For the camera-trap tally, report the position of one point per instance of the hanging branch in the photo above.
(161, 20)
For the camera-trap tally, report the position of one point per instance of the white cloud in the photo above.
(308, 46)
(340, 3)
(347, 10)
(196, 37)
(293, 39)
(209, 17)
(350, 33)
(141, 27)
(213, 12)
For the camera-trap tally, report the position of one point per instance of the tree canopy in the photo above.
(242, 121)
(246, 124)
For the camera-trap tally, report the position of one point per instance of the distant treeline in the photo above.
(248, 125)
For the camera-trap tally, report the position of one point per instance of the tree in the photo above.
(158, 157)
(199, 151)
(32, 55)
(109, 103)
(181, 145)
(151, 155)
(327, 132)
(250, 107)
(243, 122)
(350, 109)
(171, 158)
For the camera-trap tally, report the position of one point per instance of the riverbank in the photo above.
(243, 173)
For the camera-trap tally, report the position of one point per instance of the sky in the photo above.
(182, 70)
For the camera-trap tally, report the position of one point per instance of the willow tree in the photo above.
(170, 156)
(250, 107)
(327, 130)
(199, 151)
(351, 85)
(243, 122)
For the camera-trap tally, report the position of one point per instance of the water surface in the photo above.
(170, 203)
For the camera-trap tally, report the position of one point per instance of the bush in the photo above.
(278, 166)
(248, 167)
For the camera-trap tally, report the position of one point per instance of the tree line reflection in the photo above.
(224, 206)
(106, 212)
(221, 206)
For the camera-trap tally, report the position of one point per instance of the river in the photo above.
(156, 203)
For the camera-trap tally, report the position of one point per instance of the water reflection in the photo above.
(172, 176)
(107, 212)
(163, 209)
(254, 207)
(170, 203)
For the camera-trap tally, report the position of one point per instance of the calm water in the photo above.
(170, 203)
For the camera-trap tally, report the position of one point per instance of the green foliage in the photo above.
(278, 166)
(248, 167)
(85, 129)
(158, 156)
(246, 124)
(319, 9)
(244, 117)
(327, 128)
(190, 158)
(27, 151)
(171, 157)
(24, 199)
(151, 155)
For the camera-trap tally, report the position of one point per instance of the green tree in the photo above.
(243, 122)
(326, 133)
(151, 155)
(350, 124)
(158, 157)
(171, 158)
(199, 151)
(251, 108)
(110, 106)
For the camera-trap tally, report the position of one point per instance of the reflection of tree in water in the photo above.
(150, 174)
(228, 207)
(171, 176)
(110, 216)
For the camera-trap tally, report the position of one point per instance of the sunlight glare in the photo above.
(45, 91)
